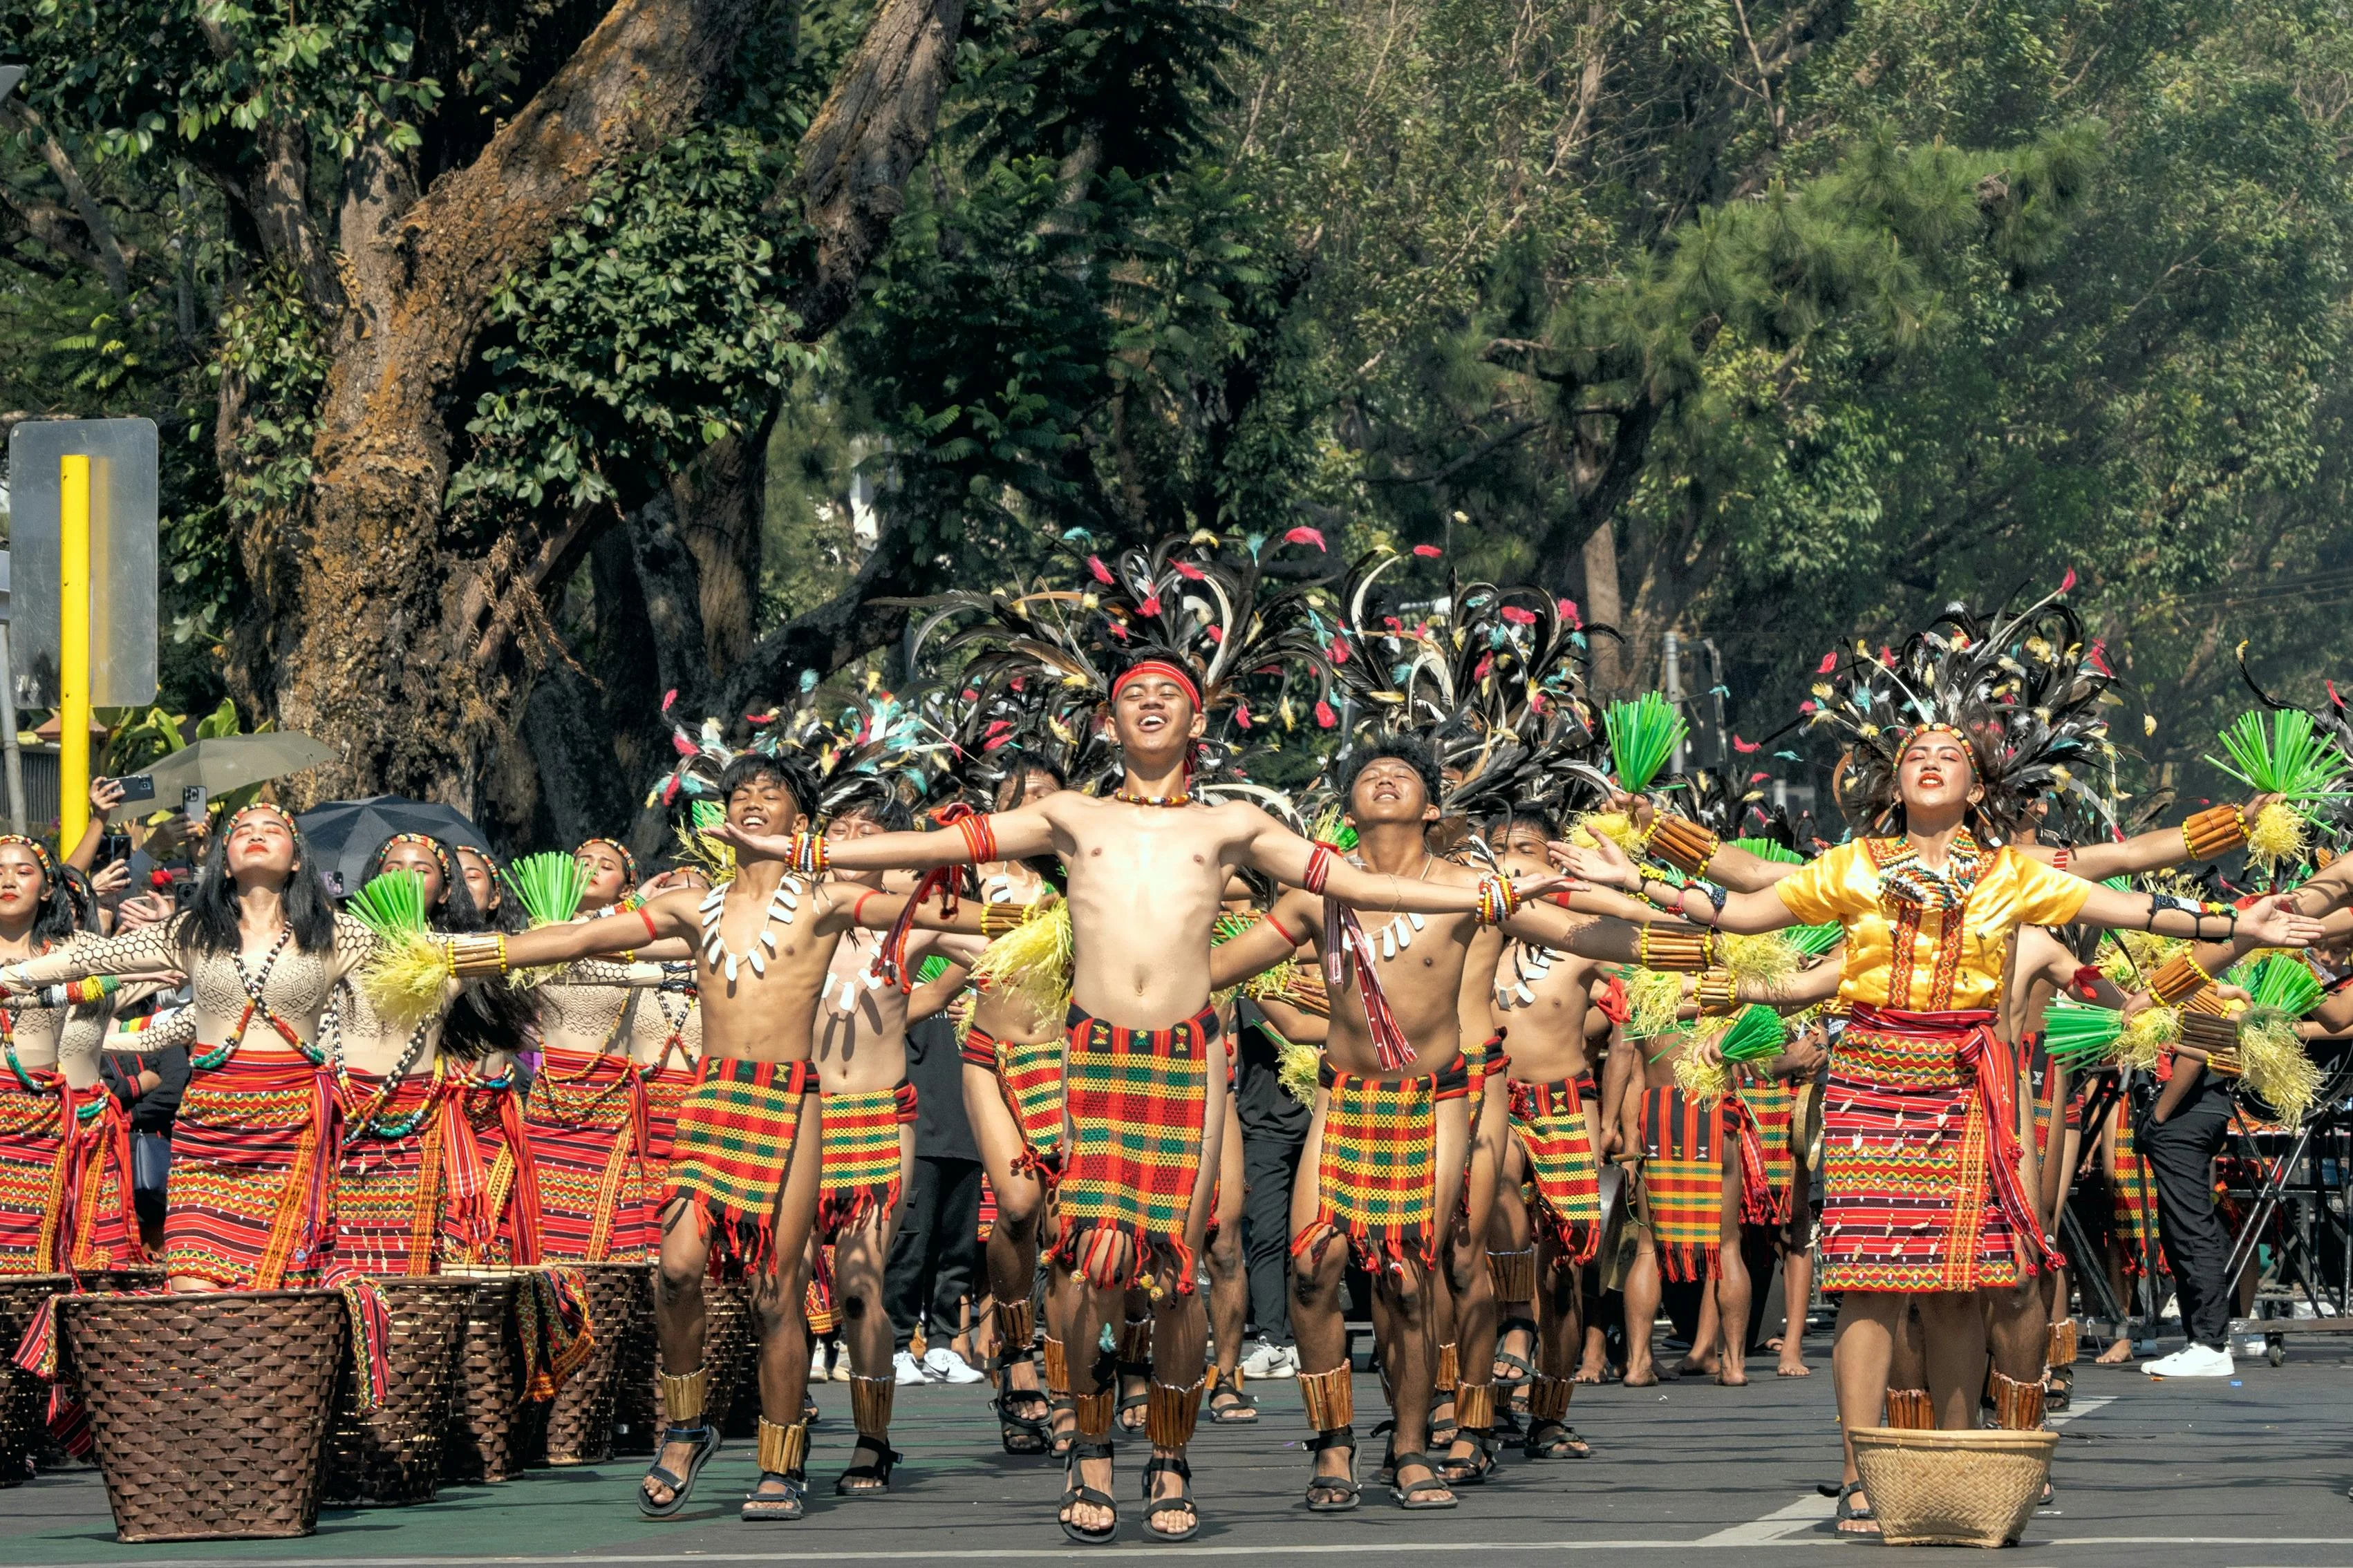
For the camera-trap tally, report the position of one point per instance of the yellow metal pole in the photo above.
(73, 650)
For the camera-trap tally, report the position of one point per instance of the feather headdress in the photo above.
(2023, 691)
(1492, 680)
(1202, 605)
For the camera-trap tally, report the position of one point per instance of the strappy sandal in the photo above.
(1154, 1506)
(1074, 1492)
(1340, 1493)
(1849, 1514)
(1024, 1435)
(706, 1439)
(775, 1508)
(1060, 1438)
(1411, 1494)
(1522, 1369)
(1140, 1404)
(877, 1469)
(1442, 1433)
(1550, 1439)
(1386, 1475)
(810, 1411)
(1240, 1410)
(1470, 1472)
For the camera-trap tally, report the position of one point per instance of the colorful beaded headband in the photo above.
(425, 841)
(628, 861)
(257, 807)
(40, 853)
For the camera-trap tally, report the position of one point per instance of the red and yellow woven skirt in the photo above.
(737, 1129)
(862, 1149)
(65, 1176)
(2133, 1202)
(1920, 1190)
(587, 1123)
(1376, 1174)
(1548, 1122)
(1030, 1077)
(493, 1110)
(1137, 1100)
(390, 1174)
(1682, 1182)
(251, 1203)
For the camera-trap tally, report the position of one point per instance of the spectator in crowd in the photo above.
(1275, 1131)
(934, 1261)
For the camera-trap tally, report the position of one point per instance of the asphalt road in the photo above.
(2251, 1475)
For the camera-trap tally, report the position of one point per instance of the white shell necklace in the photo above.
(840, 992)
(782, 906)
(1528, 963)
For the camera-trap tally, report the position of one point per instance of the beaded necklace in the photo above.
(1182, 797)
(257, 1005)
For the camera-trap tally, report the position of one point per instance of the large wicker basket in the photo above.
(486, 1397)
(392, 1456)
(637, 1396)
(210, 1411)
(24, 1398)
(1953, 1489)
(580, 1418)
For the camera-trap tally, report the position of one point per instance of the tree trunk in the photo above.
(1603, 605)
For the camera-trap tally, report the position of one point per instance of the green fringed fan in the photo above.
(1642, 735)
(1769, 850)
(549, 886)
(2279, 984)
(2078, 1032)
(2289, 759)
(1815, 941)
(392, 905)
(1756, 1033)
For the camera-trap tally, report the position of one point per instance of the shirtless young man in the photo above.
(743, 1175)
(1390, 1134)
(869, 1142)
(1559, 1131)
(1144, 1094)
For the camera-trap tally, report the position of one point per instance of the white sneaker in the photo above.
(817, 1362)
(944, 1365)
(1258, 1356)
(905, 1370)
(2192, 1361)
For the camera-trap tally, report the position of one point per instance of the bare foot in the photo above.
(1791, 1366)
(1697, 1365)
(1647, 1376)
(1732, 1377)
(2118, 1353)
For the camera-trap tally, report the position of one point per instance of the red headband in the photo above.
(1158, 666)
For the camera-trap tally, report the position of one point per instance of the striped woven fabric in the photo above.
(1682, 1182)
(735, 1135)
(2133, 1202)
(1908, 1202)
(860, 1145)
(1029, 1076)
(388, 1177)
(666, 1092)
(493, 1110)
(1549, 1125)
(1137, 1099)
(1376, 1175)
(65, 1157)
(583, 1117)
(252, 1193)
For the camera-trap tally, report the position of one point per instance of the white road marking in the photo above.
(1798, 1518)
(2078, 1408)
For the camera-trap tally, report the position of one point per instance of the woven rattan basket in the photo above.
(209, 1411)
(1953, 1489)
(24, 1398)
(392, 1456)
(146, 1277)
(637, 1398)
(480, 1444)
(580, 1418)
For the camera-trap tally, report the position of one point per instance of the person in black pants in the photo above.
(149, 1087)
(935, 1263)
(1274, 1132)
(2180, 1144)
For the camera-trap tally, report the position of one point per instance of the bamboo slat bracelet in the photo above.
(2216, 831)
(1717, 993)
(1674, 951)
(2178, 978)
(1682, 844)
(478, 954)
(2217, 1036)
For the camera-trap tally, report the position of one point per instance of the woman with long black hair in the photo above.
(65, 1151)
(487, 1029)
(252, 1177)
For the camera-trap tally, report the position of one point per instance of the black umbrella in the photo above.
(344, 834)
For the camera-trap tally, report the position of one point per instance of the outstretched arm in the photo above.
(670, 915)
(1285, 856)
(1743, 914)
(1594, 937)
(2150, 851)
(1275, 936)
(2273, 922)
(1000, 836)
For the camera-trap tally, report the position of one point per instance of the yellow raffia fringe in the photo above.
(1294, 1068)
(2272, 1059)
(1654, 997)
(2278, 838)
(2145, 1035)
(1032, 961)
(404, 979)
(716, 860)
(2143, 954)
(1703, 1081)
(1615, 825)
(1765, 959)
